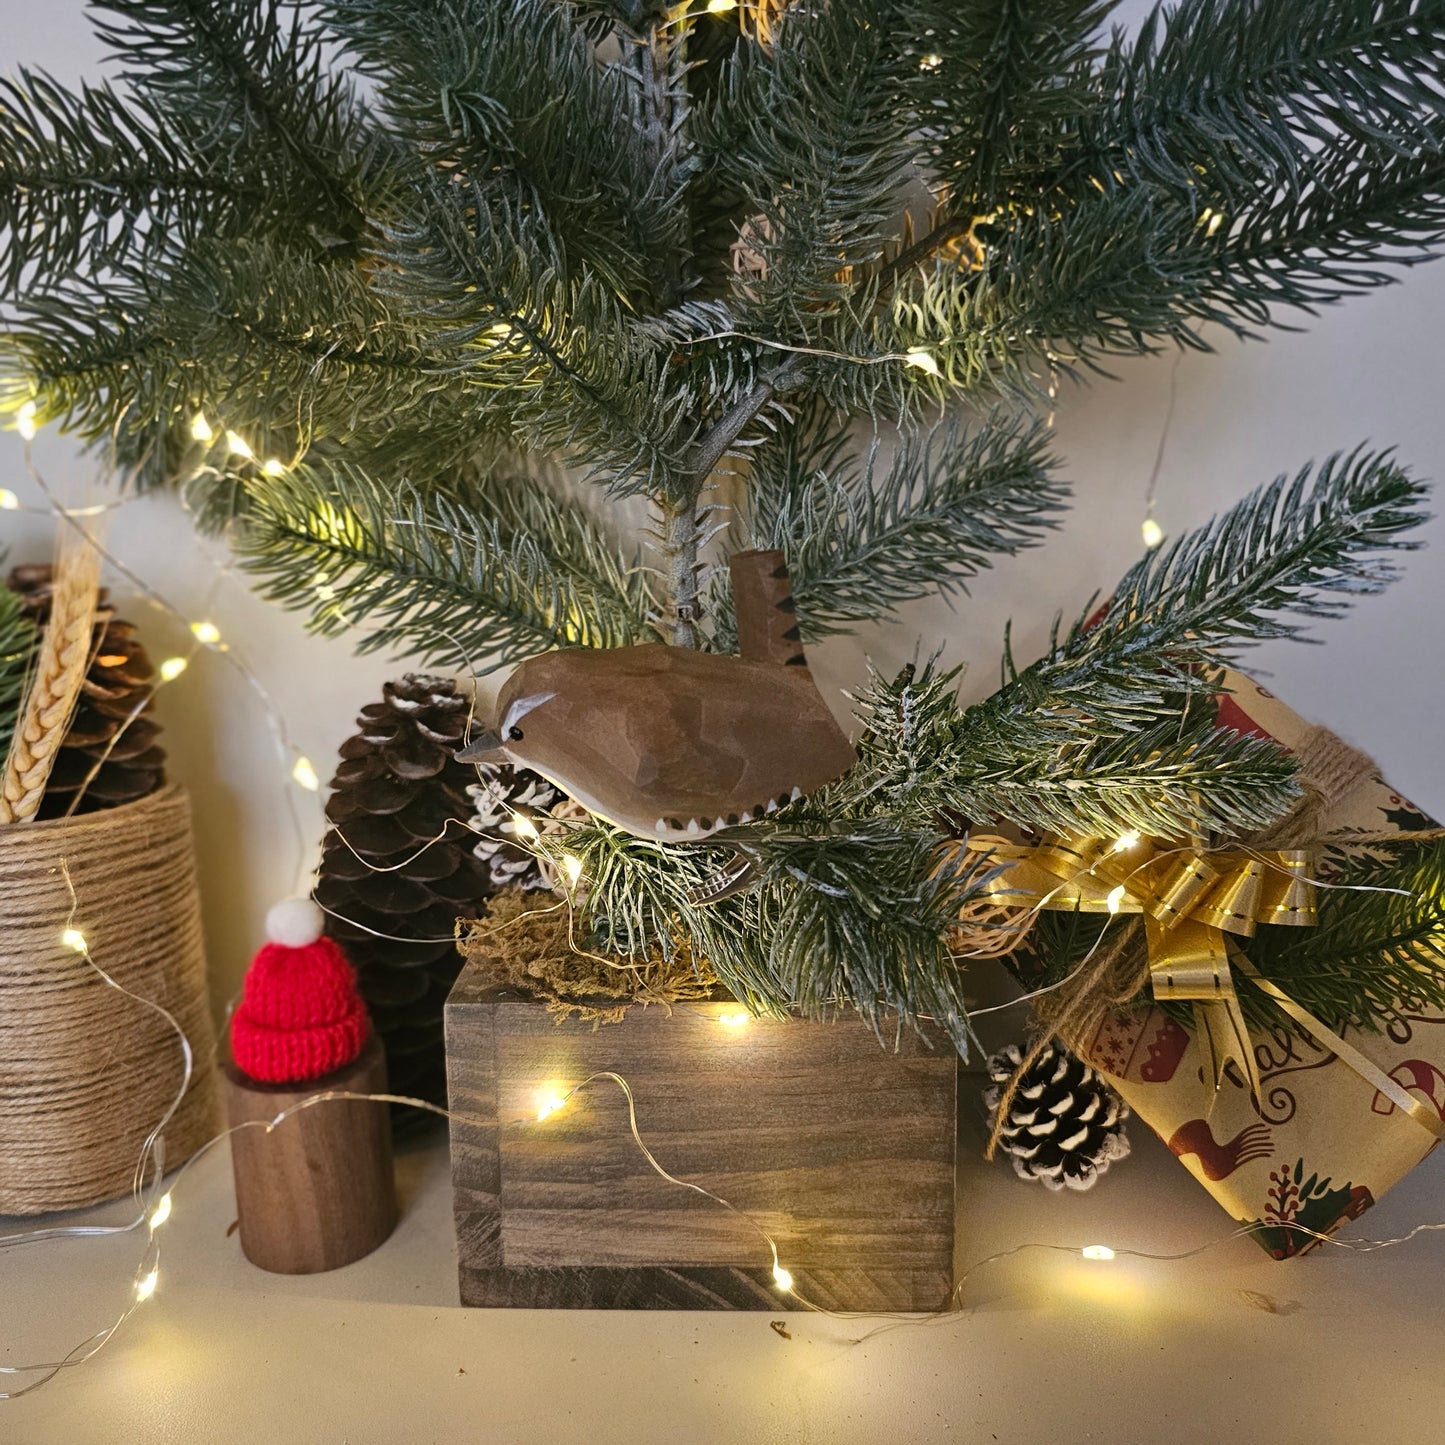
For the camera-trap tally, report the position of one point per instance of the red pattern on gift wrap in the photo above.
(1234, 717)
(1124, 1038)
(1219, 1161)
(1360, 1200)
(1419, 1076)
(1296, 1204)
(1113, 1047)
(1283, 1196)
(1165, 1051)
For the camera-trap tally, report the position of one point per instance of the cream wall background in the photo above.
(1367, 370)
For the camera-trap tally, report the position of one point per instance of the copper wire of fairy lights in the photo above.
(154, 1205)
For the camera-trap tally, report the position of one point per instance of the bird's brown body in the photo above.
(668, 742)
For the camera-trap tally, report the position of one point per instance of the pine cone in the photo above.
(398, 861)
(109, 755)
(1065, 1125)
(501, 794)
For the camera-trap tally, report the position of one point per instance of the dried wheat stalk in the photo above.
(60, 668)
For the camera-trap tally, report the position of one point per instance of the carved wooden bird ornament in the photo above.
(671, 743)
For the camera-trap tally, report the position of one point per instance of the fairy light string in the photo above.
(155, 1207)
(157, 1210)
(1151, 533)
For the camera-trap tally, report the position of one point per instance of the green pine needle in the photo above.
(861, 537)
(1377, 953)
(1110, 689)
(1374, 953)
(413, 257)
(479, 579)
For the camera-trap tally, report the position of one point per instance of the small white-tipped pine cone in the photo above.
(504, 794)
(1065, 1125)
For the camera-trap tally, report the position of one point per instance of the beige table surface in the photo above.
(1225, 1346)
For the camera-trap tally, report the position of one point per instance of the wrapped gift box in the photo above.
(1322, 1144)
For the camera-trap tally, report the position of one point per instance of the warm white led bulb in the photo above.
(162, 1211)
(172, 668)
(201, 428)
(721, 7)
(782, 1278)
(1115, 900)
(923, 359)
(9, 502)
(1126, 840)
(734, 1020)
(145, 1286)
(206, 633)
(525, 828)
(571, 868)
(1152, 533)
(930, 62)
(303, 773)
(1097, 1251)
(25, 422)
(548, 1103)
(74, 938)
(239, 446)
(273, 466)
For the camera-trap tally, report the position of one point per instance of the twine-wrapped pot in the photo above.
(85, 1072)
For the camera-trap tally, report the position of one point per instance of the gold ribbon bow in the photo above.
(1194, 903)
(1191, 901)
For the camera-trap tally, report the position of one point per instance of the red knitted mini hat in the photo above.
(300, 1014)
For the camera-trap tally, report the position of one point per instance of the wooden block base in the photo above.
(843, 1151)
(688, 1288)
(318, 1191)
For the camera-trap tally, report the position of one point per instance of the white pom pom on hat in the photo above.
(295, 923)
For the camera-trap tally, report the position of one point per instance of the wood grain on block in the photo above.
(318, 1191)
(841, 1150)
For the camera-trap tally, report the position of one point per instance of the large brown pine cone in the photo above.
(109, 755)
(397, 870)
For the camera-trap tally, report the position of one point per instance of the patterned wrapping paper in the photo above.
(1323, 1144)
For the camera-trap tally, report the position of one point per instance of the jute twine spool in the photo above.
(85, 1072)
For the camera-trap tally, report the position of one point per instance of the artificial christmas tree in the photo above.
(397, 869)
(714, 258)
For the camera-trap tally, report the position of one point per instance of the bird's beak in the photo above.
(484, 748)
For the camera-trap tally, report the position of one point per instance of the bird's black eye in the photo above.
(515, 734)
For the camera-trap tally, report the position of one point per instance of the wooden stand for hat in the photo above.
(317, 1191)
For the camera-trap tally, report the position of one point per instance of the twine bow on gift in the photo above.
(1194, 903)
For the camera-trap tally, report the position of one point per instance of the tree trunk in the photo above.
(680, 533)
(660, 67)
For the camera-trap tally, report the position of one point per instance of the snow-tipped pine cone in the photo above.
(1065, 1125)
